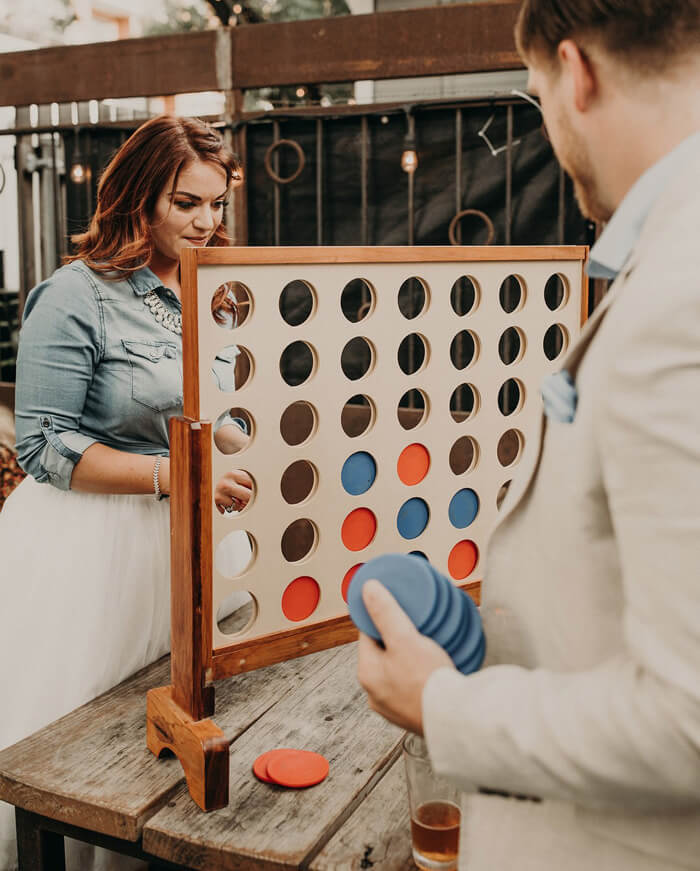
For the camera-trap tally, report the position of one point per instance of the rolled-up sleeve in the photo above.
(61, 343)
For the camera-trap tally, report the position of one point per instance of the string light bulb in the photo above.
(409, 157)
(79, 172)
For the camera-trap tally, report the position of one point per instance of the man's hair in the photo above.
(649, 35)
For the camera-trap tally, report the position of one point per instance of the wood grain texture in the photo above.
(200, 746)
(459, 38)
(190, 327)
(266, 826)
(149, 66)
(467, 37)
(280, 646)
(377, 835)
(190, 561)
(92, 768)
(258, 255)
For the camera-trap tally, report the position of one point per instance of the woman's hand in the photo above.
(233, 491)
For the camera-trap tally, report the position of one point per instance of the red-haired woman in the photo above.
(84, 539)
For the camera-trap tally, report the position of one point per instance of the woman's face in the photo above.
(188, 215)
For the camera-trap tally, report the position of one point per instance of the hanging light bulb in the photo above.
(78, 172)
(409, 157)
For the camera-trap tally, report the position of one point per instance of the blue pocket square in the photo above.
(560, 396)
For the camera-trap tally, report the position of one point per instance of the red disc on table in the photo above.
(298, 769)
(260, 764)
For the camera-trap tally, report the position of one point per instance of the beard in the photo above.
(575, 159)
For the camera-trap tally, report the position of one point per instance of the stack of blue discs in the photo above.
(436, 606)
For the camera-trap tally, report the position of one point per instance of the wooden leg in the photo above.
(37, 849)
(200, 746)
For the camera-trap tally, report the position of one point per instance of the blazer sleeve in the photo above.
(626, 733)
(61, 342)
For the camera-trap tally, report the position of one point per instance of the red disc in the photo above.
(260, 764)
(299, 769)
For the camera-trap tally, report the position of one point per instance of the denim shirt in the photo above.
(94, 365)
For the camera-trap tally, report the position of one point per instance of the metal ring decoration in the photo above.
(479, 214)
(268, 160)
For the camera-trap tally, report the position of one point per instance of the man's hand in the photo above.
(394, 678)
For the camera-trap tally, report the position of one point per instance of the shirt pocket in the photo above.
(156, 376)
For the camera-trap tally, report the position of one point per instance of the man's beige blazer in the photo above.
(590, 698)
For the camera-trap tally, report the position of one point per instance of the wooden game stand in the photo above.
(178, 714)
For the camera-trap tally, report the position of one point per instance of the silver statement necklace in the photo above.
(161, 314)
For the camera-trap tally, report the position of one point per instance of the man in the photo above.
(589, 701)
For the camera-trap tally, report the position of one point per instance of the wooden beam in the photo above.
(443, 40)
(463, 38)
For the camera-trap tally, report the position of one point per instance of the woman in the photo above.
(84, 538)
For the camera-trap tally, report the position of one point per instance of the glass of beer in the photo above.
(435, 813)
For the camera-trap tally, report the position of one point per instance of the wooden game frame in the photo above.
(177, 715)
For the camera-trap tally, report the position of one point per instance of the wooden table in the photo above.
(90, 776)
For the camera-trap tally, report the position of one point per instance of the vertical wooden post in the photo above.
(175, 713)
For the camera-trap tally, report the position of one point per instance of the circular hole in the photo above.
(501, 495)
(236, 612)
(412, 408)
(464, 349)
(233, 430)
(464, 402)
(511, 346)
(462, 560)
(413, 298)
(413, 464)
(464, 296)
(357, 358)
(556, 341)
(358, 473)
(357, 416)
(298, 423)
(512, 294)
(299, 540)
(464, 506)
(511, 396)
(359, 528)
(232, 368)
(349, 575)
(413, 353)
(231, 304)
(301, 598)
(298, 482)
(464, 455)
(297, 363)
(412, 518)
(357, 300)
(297, 302)
(235, 553)
(236, 508)
(510, 447)
(556, 292)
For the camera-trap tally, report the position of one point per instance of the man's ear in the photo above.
(583, 75)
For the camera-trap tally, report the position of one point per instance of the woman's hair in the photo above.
(647, 35)
(119, 238)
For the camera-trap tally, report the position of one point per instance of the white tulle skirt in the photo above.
(85, 602)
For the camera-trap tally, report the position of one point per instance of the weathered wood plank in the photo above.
(92, 769)
(443, 40)
(377, 835)
(148, 66)
(267, 827)
(459, 38)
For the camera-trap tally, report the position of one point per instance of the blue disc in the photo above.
(412, 518)
(454, 620)
(474, 662)
(471, 639)
(408, 579)
(358, 474)
(463, 508)
(442, 605)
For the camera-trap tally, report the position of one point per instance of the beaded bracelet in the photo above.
(156, 481)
